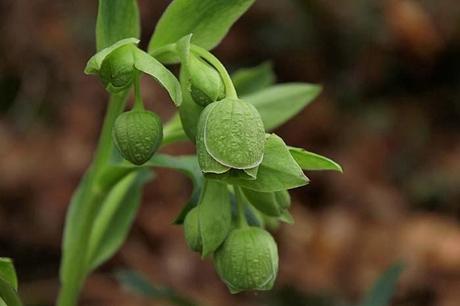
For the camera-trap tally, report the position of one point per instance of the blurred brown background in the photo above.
(389, 113)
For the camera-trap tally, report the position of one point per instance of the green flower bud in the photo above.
(192, 230)
(270, 203)
(206, 85)
(137, 135)
(248, 260)
(230, 135)
(117, 69)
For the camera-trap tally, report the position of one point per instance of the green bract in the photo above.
(230, 136)
(248, 260)
(270, 203)
(192, 230)
(206, 86)
(137, 135)
(117, 70)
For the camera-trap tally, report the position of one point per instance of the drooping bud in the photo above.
(206, 85)
(192, 230)
(137, 135)
(270, 203)
(117, 69)
(231, 136)
(248, 260)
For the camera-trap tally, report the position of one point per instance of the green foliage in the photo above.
(251, 80)
(240, 175)
(138, 284)
(208, 20)
(279, 103)
(115, 217)
(312, 161)
(382, 290)
(116, 20)
(8, 283)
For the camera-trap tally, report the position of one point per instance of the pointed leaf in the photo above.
(312, 161)
(8, 272)
(208, 20)
(279, 103)
(381, 292)
(8, 294)
(116, 20)
(115, 217)
(147, 64)
(251, 80)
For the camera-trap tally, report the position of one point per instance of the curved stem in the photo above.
(230, 90)
(169, 48)
(138, 104)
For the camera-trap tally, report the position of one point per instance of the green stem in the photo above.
(74, 265)
(230, 91)
(138, 104)
(241, 204)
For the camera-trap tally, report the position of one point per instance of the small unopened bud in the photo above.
(137, 135)
(270, 203)
(206, 85)
(192, 230)
(248, 260)
(117, 69)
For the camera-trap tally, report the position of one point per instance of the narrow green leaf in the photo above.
(279, 103)
(278, 170)
(251, 80)
(115, 217)
(215, 215)
(381, 292)
(8, 294)
(116, 20)
(147, 64)
(8, 273)
(208, 21)
(312, 161)
(139, 284)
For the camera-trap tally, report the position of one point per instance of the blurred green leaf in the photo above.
(208, 21)
(312, 161)
(251, 80)
(138, 284)
(8, 273)
(279, 103)
(382, 291)
(115, 217)
(116, 20)
(8, 294)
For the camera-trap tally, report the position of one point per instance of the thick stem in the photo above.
(74, 261)
(138, 104)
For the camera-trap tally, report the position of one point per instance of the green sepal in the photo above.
(214, 216)
(278, 170)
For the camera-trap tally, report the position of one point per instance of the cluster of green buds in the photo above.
(137, 134)
(243, 170)
(245, 173)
